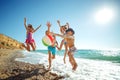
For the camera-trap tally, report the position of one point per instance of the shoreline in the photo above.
(16, 70)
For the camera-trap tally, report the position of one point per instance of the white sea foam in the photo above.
(87, 69)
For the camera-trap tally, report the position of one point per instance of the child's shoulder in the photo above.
(67, 36)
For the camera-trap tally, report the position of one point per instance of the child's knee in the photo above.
(53, 57)
(69, 54)
(49, 59)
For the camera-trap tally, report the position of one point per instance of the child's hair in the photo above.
(70, 29)
(64, 26)
(47, 32)
(30, 26)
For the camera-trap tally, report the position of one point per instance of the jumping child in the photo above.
(70, 44)
(63, 42)
(29, 38)
(51, 48)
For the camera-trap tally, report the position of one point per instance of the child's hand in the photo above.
(40, 26)
(48, 24)
(58, 21)
(67, 23)
(53, 33)
(58, 48)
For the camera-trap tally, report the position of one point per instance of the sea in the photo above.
(92, 64)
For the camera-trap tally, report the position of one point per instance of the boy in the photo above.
(51, 48)
(70, 44)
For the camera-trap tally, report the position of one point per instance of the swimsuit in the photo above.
(29, 39)
(64, 41)
(52, 49)
(72, 49)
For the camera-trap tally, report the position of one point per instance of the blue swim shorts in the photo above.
(52, 50)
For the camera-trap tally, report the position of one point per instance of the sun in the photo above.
(104, 15)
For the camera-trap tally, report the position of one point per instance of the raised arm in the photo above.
(25, 23)
(61, 45)
(67, 24)
(37, 28)
(58, 35)
(58, 23)
(63, 36)
(48, 25)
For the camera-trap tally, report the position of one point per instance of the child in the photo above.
(63, 28)
(63, 42)
(70, 43)
(51, 48)
(29, 39)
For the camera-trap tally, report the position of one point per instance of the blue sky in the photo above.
(80, 14)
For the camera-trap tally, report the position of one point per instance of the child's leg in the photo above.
(33, 47)
(49, 59)
(66, 50)
(28, 47)
(72, 61)
(53, 56)
(53, 52)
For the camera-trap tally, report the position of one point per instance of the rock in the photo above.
(26, 71)
(39, 77)
(9, 43)
(3, 76)
(42, 71)
(33, 77)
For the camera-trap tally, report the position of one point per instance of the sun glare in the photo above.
(104, 16)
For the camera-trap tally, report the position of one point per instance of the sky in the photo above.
(96, 22)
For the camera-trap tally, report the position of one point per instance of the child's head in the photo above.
(70, 31)
(63, 29)
(30, 28)
(46, 32)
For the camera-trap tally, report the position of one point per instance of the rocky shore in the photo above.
(15, 70)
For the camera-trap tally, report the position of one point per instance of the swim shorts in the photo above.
(52, 50)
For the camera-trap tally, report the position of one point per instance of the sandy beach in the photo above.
(15, 70)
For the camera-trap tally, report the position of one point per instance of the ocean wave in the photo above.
(99, 54)
(88, 69)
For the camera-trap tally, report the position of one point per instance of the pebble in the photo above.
(27, 71)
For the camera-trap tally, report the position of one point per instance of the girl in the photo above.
(63, 42)
(29, 39)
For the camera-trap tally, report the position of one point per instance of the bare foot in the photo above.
(48, 68)
(23, 45)
(74, 67)
(64, 60)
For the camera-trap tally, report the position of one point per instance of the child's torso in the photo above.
(29, 35)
